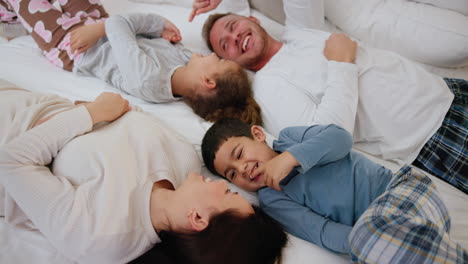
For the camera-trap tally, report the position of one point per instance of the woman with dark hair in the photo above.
(112, 194)
(256, 239)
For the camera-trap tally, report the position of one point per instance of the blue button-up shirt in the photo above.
(323, 197)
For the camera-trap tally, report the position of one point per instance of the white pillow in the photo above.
(460, 6)
(418, 31)
(240, 7)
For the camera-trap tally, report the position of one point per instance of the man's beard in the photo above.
(251, 63)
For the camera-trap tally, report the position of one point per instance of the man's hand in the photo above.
(86, 36)
(171, 32)
(202, 6)
(107, 107)
(341, 48)
(277, 169)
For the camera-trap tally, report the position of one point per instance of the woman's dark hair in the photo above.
(155, 255)
(219, 133)
(233, 98)
(229, 238)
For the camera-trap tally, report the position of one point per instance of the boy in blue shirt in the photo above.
(318, 189)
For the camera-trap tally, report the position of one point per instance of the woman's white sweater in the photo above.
(94, 204)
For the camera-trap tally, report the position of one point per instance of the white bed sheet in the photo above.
(22, 63)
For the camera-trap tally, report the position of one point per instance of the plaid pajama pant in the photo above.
(445, 155)
(51, 28)
(408, 223)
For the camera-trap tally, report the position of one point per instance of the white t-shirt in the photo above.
(391, 105)
(94, 208)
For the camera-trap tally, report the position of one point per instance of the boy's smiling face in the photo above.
(239, 157)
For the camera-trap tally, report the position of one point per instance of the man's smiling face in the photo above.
(240, 39)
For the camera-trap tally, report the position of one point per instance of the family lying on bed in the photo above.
(394, 109)
(321, 191)
(325, 193)
(116, 205)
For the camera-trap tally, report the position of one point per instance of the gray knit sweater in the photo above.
(134, 58)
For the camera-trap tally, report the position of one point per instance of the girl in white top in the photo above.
(108, 194)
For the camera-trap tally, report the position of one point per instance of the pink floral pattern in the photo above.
(66, 46)
(66, 22)
(6, 15)
(90, 21)
(45, 34)
(39, 5)
(81, 14)
(95, 2)
(52, 29)
(53, 57)
(95, 13)
(25, 24)
(14, 4)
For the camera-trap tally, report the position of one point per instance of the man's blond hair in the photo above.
(209, 25)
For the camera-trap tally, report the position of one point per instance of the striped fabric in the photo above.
(408, 223)
(445, 155)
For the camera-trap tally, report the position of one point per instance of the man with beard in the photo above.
(394, 108)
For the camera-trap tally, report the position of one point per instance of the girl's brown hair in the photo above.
(249, 114)
(232, 99)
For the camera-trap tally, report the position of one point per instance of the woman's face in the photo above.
(212, 196)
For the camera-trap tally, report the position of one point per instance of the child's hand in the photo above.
(85, 37)
(277, 169)
(202, 6)
(171, 32)
(107, 107)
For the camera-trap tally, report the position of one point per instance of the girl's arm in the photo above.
(86, 36)
(140, 71)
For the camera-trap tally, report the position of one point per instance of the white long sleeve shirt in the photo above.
(390, 105)
(94, 207)
(20, 110)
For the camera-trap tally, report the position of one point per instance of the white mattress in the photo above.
(22, 63)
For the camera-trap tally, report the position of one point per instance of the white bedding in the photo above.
(22, 63)
(423, 32)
